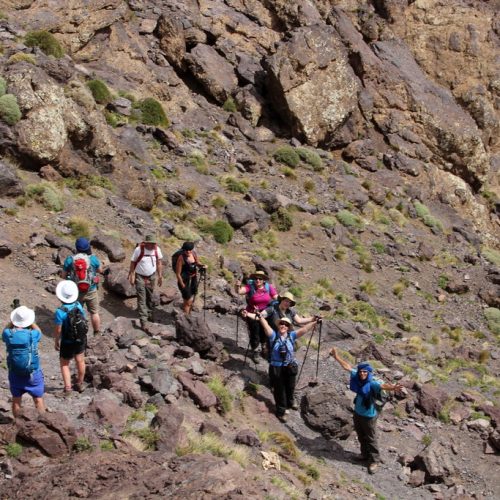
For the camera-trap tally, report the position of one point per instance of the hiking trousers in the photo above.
(283, 385)
(256, 333)
(144, 287)
(366, 429)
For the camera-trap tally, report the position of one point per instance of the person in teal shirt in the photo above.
(365, 413)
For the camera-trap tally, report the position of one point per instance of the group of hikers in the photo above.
(271, 319)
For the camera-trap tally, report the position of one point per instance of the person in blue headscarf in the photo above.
(365, 412)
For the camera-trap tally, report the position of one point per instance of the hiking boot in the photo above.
(294, 405)
(282, 418)
(79, 387)
(65, 393)
(264, 352)
(372, 468)
(359, 458)
(254, 356)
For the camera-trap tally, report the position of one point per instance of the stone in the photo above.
(162, 381)
(491, 411)
(457, 287)
(311, 83)
(167, 423)
(10, 184)
(417, 478)
(6, 247)
(247, 437)
(117, 281)
(436, 462)
(324, 409)
(210, 428)
(198, 391)
(110, 245)
(105, 409)
(431, 399)
(170, 33)
(479, 424)
(194, 332)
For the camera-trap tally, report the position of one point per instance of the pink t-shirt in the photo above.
(261, 298)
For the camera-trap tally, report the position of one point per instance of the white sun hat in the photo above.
(22, 317)
(67, 291)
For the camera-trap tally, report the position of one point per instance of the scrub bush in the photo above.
(152, 112)
(287, 155)
(46, 41)
(9, 109)
(100, 91)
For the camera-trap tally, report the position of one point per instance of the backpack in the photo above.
(175, 258)
(141, 254)
(380, 399)
(273, 343)
(75, 326)
(21, 357)
(251, 293)
(83, 273)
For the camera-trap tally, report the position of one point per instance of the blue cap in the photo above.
(82, 245)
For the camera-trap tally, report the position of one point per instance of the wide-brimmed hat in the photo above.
(150, 238)
(284, 320)
(22, 317)
(289, 296)
(82, 245)
(67, 291)
(259, 274)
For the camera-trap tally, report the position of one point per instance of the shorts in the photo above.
(91, 300)
(191, 289)
(71, 349)
(33, 384)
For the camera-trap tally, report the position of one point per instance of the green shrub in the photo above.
(13, 450)
(46, 194)
(492, 315)
(216, 385)
(282, 219)
(82, 444)
(309, 185)
(236, 186)
(9, 109)
(369, 287)
(106, 445)
(310, 157)
(186, 234)
(114, 119)
(197, 159)
(378, 247)
(289, 172)
(443, 281)
(46, 41)
(425, 216)
(152, 112)
(100, 91)
(3, 86)
(491, 255)
(287, 155)
(348, 219)
(21, 57)
(219, 202)
(222, 232)
(229, 105)
(80, 228)
(327, 222)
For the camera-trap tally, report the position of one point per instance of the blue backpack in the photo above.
(22, 355)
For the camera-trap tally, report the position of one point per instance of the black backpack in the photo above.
(75, 326)
(175, 257)
(380, 399)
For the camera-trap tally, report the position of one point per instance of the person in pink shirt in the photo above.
(259, 293)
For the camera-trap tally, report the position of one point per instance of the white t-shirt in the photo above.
(147, 265)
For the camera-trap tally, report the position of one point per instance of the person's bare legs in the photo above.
(188, 305)
(80, 367)
(65, 372)
(16, 405)
(95, 319)
(39, 404)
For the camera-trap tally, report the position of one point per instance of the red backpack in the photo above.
(83, 273)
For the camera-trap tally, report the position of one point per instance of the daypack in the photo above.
(75, 325)
(380, 399)
(141, 254)
(273, 343)
(175, 258)
(83, 273)
(22, 357)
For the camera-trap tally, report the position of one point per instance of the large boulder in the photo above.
(311, 83)
(194, 332)
(198, 391)
(116, 281)
(109, 244)
(105, 409)
(167, 423)
(170, 32)
(213, 72)
(436, 462)
(431, 399)
(327, 411)
(10, 184)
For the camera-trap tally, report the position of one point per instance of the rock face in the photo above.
(431, 399)
(312, 83)
(10, 184)
(327, 411)
(167, 422)
(198, 391)
(436, 463)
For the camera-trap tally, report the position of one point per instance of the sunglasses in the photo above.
(363, 371)
(259, 279)
(283, 323)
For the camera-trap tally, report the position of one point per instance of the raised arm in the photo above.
(342, 362)
(299, 320)
(265, 325)
(239, 289)
(307, 328)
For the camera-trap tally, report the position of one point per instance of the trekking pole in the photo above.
(305, 357)
(237, 326)
(204, 294)
(246, 352)
(315, 381)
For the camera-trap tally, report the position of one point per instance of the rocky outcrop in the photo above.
(10, 184)
(312, 84)
(194, 332)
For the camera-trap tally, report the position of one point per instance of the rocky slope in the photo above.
(350, 149)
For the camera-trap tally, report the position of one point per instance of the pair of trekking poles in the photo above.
(203, 277)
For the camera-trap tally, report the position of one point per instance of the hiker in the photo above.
(365, 413)
(284, 308)
(146, 268)
(260, 293)
(70, 344)
(82, 268)
(186, 267)
(21, 338)
(283, 367)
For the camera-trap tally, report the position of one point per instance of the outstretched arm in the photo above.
(307, 328)
(299, 320)
(342, 362)
(240, 290)
(265, 325)
(392, 387)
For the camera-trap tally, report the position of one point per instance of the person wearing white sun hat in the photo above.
(21, 338)
(68, 347)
